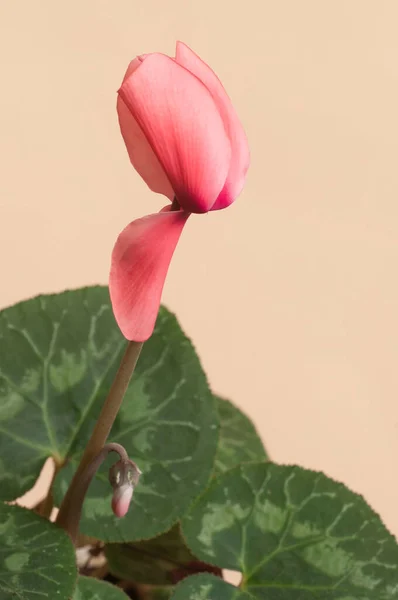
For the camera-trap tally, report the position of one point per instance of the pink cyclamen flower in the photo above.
(185, 140)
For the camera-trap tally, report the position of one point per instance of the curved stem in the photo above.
(69, 518)
(101, 430)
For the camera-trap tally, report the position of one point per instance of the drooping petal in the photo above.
(142, 157)
(140, 261)
(183, 126)
(240, 156)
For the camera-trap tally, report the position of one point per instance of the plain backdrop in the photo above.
(291, 295)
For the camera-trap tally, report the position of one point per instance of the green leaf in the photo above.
(152, 592)
(163, 560)
(89, 588)
(294, 534)
(239, 441)
(154, 561)
(37, 559)
(58, 357)
(207, 587)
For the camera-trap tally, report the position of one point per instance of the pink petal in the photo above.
(240, 156)
(121, 500)
(140, 261)
(142, 157)
(183, 126)
(134, 64)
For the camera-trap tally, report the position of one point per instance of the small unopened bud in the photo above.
(123, 477)
(121, 500)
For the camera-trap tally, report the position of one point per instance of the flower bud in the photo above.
(123, 477)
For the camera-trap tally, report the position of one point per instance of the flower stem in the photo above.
(100, 433)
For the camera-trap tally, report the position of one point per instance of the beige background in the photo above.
(291, 295)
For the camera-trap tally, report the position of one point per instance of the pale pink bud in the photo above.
(123, 476)
(121, 499)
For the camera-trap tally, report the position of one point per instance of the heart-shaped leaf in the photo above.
(165, 560)
(294, 534)
(239, 441)
(208, 587)
(37, 558)
(58, 357)
(89, 588)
